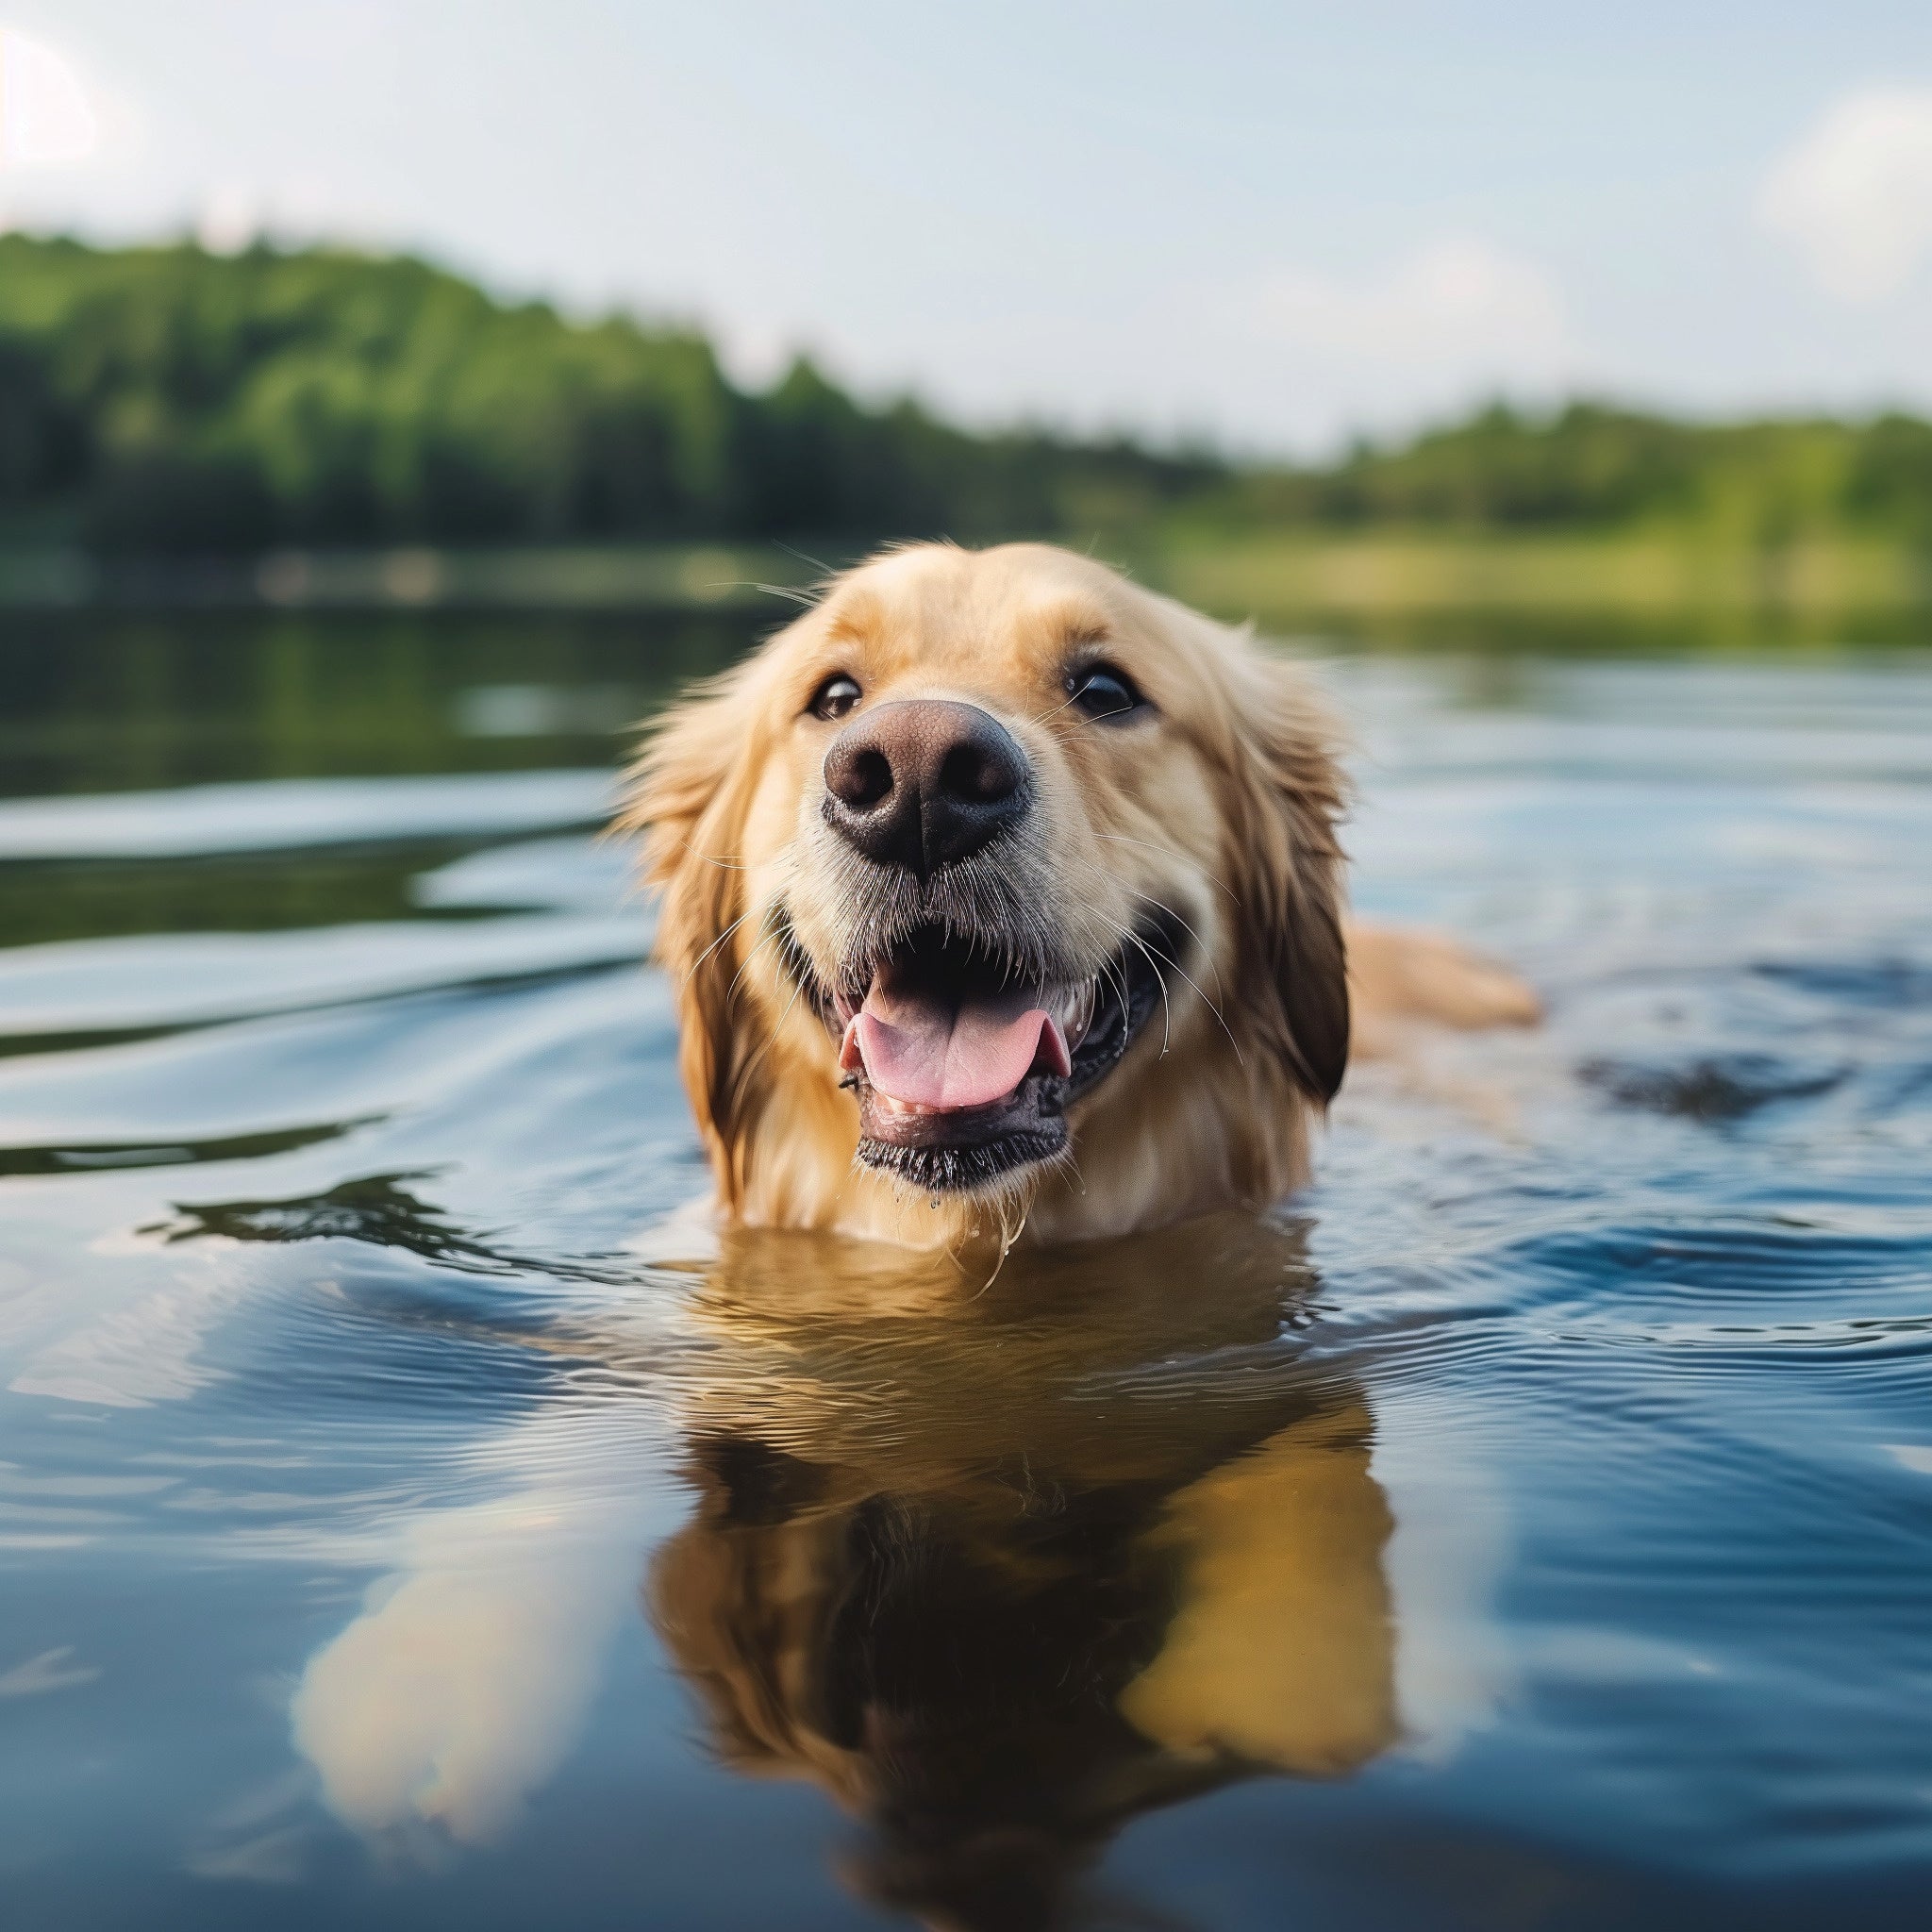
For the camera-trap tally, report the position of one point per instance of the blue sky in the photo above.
(1276, 224)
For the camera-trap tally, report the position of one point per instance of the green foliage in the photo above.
(325, 395)
(165, 399)
(1591, 466)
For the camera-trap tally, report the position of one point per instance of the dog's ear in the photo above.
(688, 794)
(1287, 871)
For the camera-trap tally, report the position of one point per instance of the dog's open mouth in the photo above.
(964, 1069)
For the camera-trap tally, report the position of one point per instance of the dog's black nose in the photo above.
(924, 782)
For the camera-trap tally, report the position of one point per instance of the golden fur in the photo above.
(1222, 809)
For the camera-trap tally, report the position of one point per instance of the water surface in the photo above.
(1531, 1526)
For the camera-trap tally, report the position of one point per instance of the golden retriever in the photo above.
(1003, 895)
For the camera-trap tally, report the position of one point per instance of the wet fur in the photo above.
(1222, 808)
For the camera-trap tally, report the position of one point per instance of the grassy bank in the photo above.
(656, 576)
(1407, 586)
(1396, 573)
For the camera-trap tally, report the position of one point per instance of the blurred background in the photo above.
(399, 401)
(1599, 334)
(1354, 312)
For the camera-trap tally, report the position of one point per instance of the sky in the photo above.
(1271, 226)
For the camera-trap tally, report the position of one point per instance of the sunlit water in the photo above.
(1533, 1526)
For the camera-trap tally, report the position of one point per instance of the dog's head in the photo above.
(996, 882)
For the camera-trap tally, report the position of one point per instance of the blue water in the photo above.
(401, 1525)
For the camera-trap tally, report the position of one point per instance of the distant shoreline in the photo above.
(290, 430)
(1296, 580)
(409, 577)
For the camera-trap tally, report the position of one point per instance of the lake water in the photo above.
(1531, 1527)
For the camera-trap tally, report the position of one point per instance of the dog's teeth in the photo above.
(1073, 1007)
(851, 1057)
(1054, 1052)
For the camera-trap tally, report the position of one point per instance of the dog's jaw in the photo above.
(987, 1150)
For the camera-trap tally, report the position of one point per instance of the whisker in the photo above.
(723, 864)
(805, 600)
(1161, 906)
(1007, 1241)
(1204, 1000)
(713, 946)
(1166, 1003)
(1133, 939)
(1152, 957)
(1046, 717)
(771, 1039)
(764, 940)
(1119, 981)
(1121, 839)
(806, 557)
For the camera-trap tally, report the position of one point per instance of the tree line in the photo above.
(160, 397)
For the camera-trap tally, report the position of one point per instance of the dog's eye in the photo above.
(834, 698)
(1098, 691)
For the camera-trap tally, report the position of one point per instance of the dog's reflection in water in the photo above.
(1001, 1574)
(998, 1568)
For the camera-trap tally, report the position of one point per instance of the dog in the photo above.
(1001, 898)
(1004, 898)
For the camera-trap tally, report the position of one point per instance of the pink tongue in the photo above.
(928, 1053)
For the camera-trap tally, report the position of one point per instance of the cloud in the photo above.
(1308, 353)
(50, 1671)
(463, 1684)
(466, 1680)
(1459, 305)
(1855, 195)
(46, 118)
